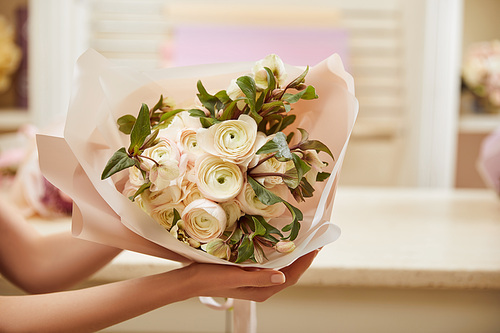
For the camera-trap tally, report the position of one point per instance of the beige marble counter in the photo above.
(402, 238)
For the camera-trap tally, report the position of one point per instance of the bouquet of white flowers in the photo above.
(217, 174)
(224, 163)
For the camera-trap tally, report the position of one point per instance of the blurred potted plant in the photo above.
(10, 54)
(481, 76)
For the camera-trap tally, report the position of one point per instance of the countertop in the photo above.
(391, 237)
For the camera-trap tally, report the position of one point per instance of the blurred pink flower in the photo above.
(489, 160)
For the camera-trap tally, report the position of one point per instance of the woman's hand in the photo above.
(246, 283)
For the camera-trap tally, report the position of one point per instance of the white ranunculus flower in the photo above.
(180, 121)
(232, 140)
(189, 144)
(216, 179)
(191, 192)
(250, 203)
(204, 220)
(164, 214)
(275, 64)
(233, 212)
(164, 150)
(135, 176)
(169, 195)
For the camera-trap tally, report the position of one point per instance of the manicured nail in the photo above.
(278, 278)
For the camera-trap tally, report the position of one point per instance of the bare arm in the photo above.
(88, 310)
(38, 263)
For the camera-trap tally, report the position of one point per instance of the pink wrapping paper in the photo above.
(103, 92)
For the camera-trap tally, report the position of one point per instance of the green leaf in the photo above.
(247, 86)
(301, 166)
(228, 111)
(258, 105)
(303, 135)
(257, 117)
(292, 179)
(299, 80)
(207, 100)
(307, 94)
(316, 145)
(245, 250)
(306, 188)
(277, 145)
(265, 196)
(141, 189)
(269, 198)
(287, 121)
(118, 162)
(236, 236)
(223, 97)
(294, 226)
(150, 140)
(259, 229)
(126, 123)
(169, 114)
(269, 229)
(321, 176)
(196, 113)
(207, 122)
(177, 217)
(159, 104)
(270, 106)
(271, 80)
(141, 129)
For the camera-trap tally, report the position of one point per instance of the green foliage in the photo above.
(125, 123)
(269, 198)
(140, 190)
(118, 162)
(141, 129)
(245, 250)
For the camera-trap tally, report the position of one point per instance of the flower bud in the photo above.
(218, 248)
(193, 243)
(285, 246)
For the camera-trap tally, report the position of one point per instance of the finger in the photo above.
(261, 278)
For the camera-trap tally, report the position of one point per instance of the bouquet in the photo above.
(224, 163)
(216, 174)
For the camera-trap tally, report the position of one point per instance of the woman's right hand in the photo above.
(246, 283)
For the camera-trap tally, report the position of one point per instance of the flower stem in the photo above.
(269, 174)
(149, 158)
(262, 161)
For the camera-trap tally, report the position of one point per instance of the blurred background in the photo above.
(419, 125)
(427, 76)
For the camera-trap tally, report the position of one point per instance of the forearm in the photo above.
(92, 309)
(43, 264)
(61, 261)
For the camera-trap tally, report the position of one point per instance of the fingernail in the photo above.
(278, 278)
